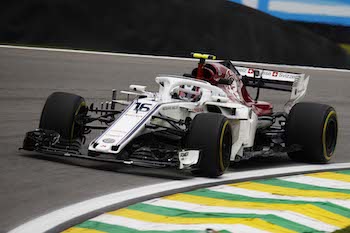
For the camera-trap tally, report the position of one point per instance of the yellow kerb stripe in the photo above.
(290, 191)
(304, 209)
(81, 230)
(331, 176)
(149, 217)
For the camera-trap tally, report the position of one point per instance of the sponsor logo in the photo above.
(108, 140)
(166, 108)
(288, 76)
(198, 109)
(266, 73)
(275, 74)
(183, 155)
(136, 115)
(241, 70)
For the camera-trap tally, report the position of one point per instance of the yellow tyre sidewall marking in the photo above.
(221, 141)
(328, 157)
(82, 104)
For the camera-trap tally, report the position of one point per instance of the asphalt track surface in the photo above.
(32, 184)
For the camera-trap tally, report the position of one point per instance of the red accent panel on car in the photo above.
(261, 108)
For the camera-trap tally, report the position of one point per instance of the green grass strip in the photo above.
(109, 228)
(345, 230)
(234, 197)
(172, 212)
(294, 185)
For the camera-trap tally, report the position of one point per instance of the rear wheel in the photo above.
(314, 128)
(211, 134)
(60, 112)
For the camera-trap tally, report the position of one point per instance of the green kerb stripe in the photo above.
(93, 225)
(234, 197)
(171, 212)
(333, 208)
(289, 184)
(344, 172)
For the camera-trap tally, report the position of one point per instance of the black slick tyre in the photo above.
(60, 112)
(211, 134)
(313, 127)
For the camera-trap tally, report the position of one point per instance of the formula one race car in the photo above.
(200, 121)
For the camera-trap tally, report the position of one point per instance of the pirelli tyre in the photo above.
(211, 134)
(312, 128)
(60, 114)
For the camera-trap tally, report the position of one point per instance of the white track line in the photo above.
(316, 181)
(152, 226)
(274, 66)
(97, 53)
(64, 215)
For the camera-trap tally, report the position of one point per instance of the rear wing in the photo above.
(296, 83)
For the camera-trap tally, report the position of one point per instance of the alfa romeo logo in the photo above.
(108, 140)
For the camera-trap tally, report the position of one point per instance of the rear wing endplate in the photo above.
(296, 83)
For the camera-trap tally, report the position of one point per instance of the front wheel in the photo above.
(211, 134)
(60, 113)
(314, 128)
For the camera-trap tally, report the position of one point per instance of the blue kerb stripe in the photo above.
(322, 2)
(312, 18)
(236, 1)
(316, 2)
(336, 20)
(263, 5)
